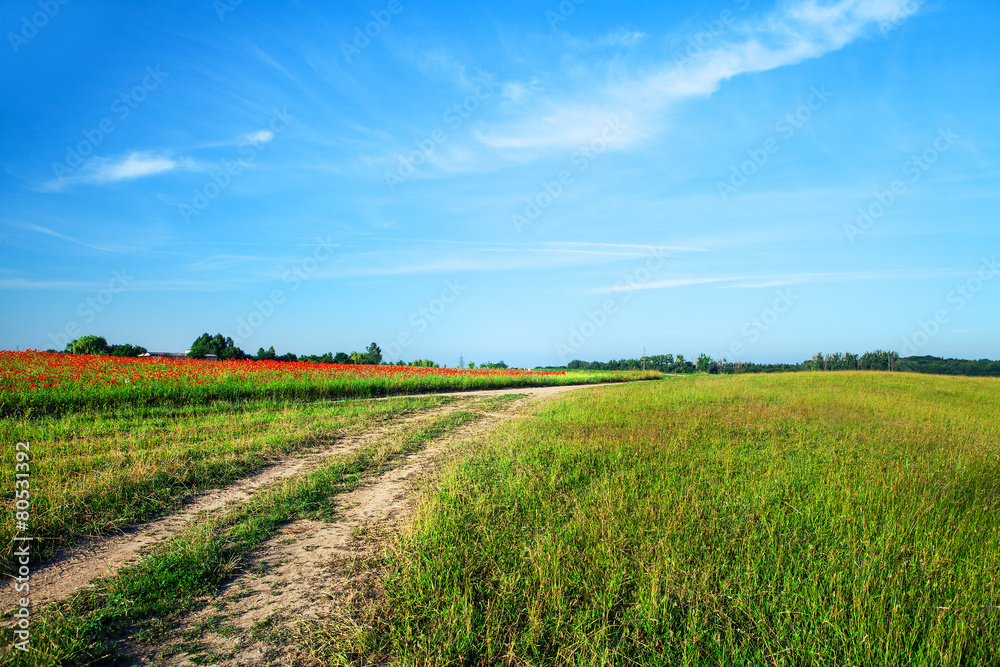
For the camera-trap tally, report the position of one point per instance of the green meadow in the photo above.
(804, 519)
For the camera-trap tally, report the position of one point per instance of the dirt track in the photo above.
(302, 547)
(307, 572)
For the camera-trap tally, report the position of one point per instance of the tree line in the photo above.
(99, 345)
(939, 366)
(879, 360)
(224, 347)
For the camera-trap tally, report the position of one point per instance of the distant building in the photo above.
(207, 357)
(175, 355)
(164, 355)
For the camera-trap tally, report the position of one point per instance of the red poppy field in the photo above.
(52, 382)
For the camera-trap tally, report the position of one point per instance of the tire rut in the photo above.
(73, 568)
(307, 572)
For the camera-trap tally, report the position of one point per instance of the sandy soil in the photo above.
(310, 570)
(75, 567)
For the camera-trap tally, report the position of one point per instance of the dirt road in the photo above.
(302, 573)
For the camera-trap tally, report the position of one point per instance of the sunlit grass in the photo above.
(144, 601)
(810, 519)
(92, 472)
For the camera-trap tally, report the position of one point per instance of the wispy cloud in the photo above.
(49, 232)
(669, 283)
(167, 285)
(102, 170)
(793, 33)
(622, 37)
(225, 262)
(550, 244)
(779, 280)
(475, 258)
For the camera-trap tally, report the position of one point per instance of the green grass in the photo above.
(143, 601)
(93, 472)
(808, 519)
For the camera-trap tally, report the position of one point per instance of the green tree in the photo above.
(704, 361)
(221, 346)
(126, 350)
(266, 355)
(89, 345)
(200, 347)
(341, 358)
(818, 361)
(234, 353)
(373, 355)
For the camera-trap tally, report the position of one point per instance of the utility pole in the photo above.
(644, 359)
(461, 361)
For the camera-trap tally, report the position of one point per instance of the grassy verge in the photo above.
(143, 601)
(97, 471)
(808, 519)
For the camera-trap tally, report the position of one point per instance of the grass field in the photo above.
(144, 601)
(95, 471)
(116, 441)
(808, 519)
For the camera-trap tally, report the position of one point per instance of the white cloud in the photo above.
(793, 33)
(513, 91)
(412, 258)
(134, 165)
(102, 170)
(261, 137)
(169, 285)
(670, 283)
(621, 37)
(767, 281)
(70, 239)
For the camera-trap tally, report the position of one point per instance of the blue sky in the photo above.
(534, 182)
